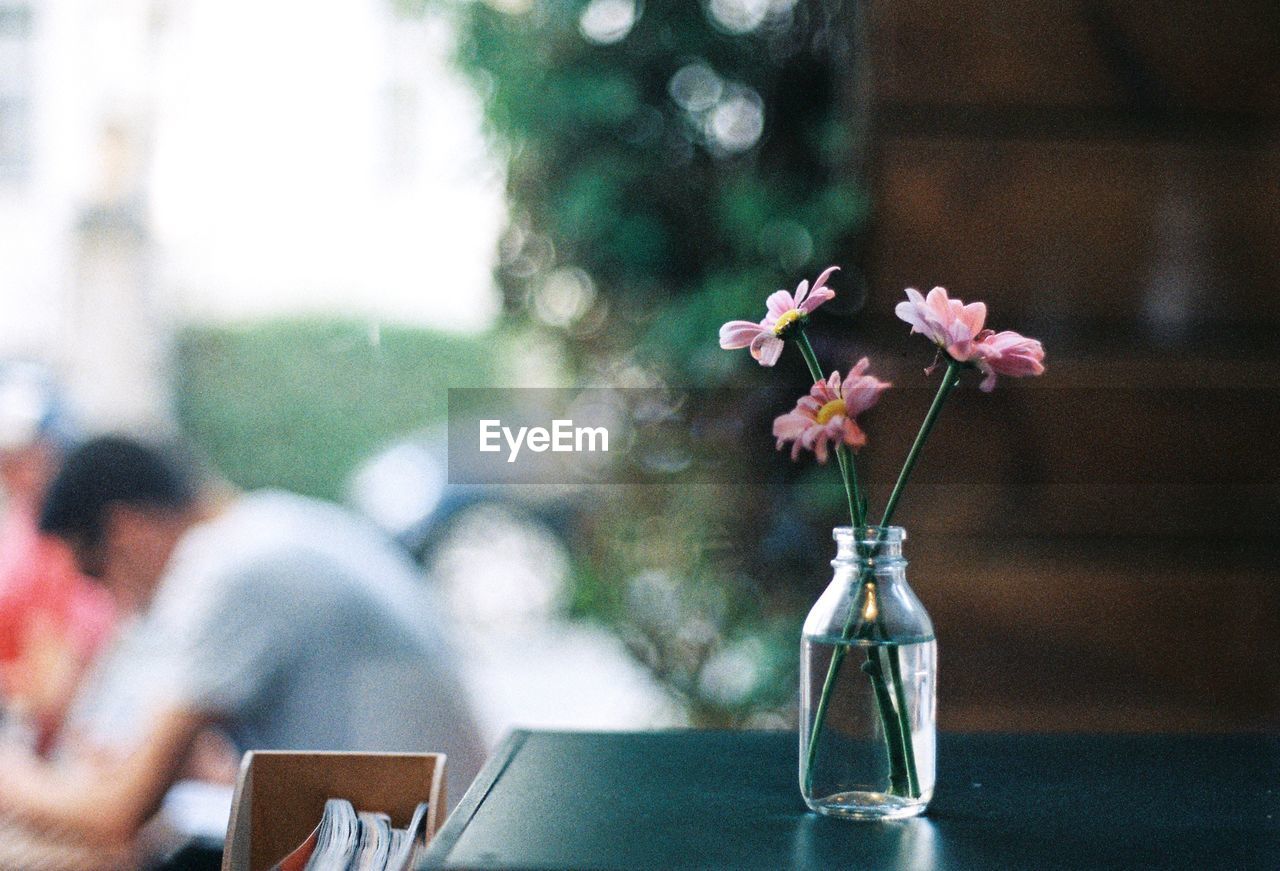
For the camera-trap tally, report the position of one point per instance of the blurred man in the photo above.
(285, 621)
(53, 620)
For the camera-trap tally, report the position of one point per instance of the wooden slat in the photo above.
(1099, 634)
(1113, 231)
(1183, 54)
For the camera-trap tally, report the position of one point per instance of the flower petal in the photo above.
(938, 302)
(810, 406)
(823, 393)
(820, 445)
(864, 394)
(973, 316)
(739, 334)
(766, 348)
(852, 434)
(859, 369)
(1007, 353)
(860, 391)
(822, 279)
(912, 311)
(779, 303)
(938, 314)
(1012, 354)
(817, 298)
(790, 426)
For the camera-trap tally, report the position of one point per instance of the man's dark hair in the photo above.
(114, 470)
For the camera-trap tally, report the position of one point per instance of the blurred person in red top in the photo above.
(52, 618)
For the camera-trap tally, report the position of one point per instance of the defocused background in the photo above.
(284, 229)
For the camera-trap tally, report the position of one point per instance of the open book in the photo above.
(349, 841)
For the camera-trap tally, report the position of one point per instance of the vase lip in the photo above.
(869, 533)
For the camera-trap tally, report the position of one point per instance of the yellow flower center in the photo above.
(830, 410)
(788, 318)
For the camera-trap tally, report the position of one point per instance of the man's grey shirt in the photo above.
(298, 626)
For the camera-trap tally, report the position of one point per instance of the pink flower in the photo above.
(1007, 353)
(949, 323)
(765, 338)
(828, 414)
(958, 329)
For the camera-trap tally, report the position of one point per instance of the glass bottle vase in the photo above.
(868, 667)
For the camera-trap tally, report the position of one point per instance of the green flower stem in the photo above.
(850, 487)
(849, 474)
(820, 715)
(950, 379)
(810, 358)
(904, 720)
(900, 781)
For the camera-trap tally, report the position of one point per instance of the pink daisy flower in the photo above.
(958, 329)
(784, 309)
(1007, 353)
(949, 323)
(828, 414)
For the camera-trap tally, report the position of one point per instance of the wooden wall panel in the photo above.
(1099, 548)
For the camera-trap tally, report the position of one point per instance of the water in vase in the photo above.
(873, 755)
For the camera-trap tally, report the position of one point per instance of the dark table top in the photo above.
(723, 800)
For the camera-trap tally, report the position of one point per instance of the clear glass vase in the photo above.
(868, 667)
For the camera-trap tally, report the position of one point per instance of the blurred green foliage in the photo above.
(686, 168)
(669, 164)
(299, 403)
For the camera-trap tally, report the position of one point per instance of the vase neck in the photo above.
(880, 545)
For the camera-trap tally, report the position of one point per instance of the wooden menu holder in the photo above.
(280, 797)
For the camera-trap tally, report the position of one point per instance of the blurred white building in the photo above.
(169, 161)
